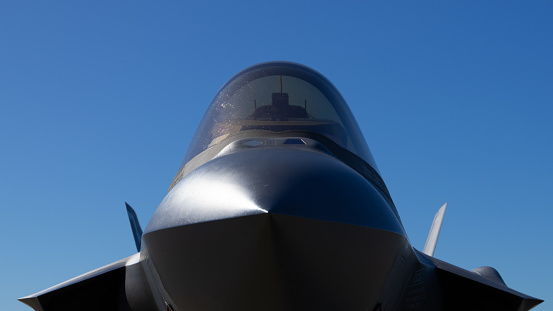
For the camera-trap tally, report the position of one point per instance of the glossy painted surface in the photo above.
(285, 180)
(278, 262)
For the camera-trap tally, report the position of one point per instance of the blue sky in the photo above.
(99, 101)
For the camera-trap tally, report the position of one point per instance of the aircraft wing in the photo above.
(469, 290)
(100, 289)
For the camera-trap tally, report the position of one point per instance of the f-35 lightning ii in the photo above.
(279, 205)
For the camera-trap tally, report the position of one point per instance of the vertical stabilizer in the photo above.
(432, 239)
(135, 226)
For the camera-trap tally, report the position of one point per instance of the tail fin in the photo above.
(135, 226)
(432, 239)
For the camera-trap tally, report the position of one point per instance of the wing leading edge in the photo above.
(467, 290)
(100, 289)
(480, 289)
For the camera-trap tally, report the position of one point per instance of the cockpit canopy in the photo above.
(279, 97)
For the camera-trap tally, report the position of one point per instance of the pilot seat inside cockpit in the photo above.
(279, 110)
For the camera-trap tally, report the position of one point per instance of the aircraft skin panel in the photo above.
(231, 186)
(278, 262)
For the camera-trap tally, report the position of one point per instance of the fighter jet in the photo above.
(279, 205)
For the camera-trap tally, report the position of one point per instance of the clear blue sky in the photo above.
(99, 100)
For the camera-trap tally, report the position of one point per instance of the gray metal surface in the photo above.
(275, 262)
(289, 180)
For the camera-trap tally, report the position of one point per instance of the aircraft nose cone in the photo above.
(285, 181)
(275, 229)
